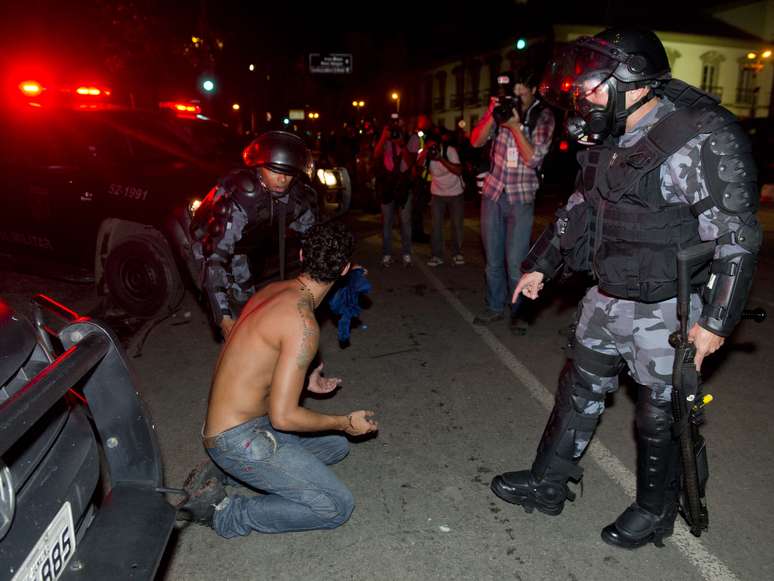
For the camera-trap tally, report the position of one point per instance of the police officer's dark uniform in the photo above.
(241, 209)
(683, 174)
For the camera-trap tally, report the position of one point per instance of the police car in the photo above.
(94, 187)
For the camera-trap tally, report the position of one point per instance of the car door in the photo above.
(37, 175)
(94, 163)
(163, 172)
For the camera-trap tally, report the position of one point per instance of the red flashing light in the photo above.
(30, 88)
(182, 109)
(92, 91)
(563, 145)
(82, 96)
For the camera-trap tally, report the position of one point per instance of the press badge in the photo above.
(512, 157)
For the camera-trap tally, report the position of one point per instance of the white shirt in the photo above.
(444, 182)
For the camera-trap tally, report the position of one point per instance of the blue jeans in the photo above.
(388, 217)
(456, 205)
(505, 231)
(301, 492)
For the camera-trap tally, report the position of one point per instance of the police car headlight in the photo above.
(7, 500)
(194, 205)
(327, 177)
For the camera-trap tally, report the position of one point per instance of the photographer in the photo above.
(393, 160)
(446, 188)
(520, 128)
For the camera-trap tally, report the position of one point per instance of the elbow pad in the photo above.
(545, 255)
(725, 294)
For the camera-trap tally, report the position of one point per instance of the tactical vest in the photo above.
(634, 233)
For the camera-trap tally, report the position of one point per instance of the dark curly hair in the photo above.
(527, 76)
(326, 249)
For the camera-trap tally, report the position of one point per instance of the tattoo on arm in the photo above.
(310, 335)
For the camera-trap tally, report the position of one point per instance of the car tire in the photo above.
(142, 277)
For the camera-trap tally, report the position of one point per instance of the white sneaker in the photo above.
(458, 259)
(406, 260)
(386, 261)
(435, 261)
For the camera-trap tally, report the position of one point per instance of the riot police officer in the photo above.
(668, 168)
(271, 191)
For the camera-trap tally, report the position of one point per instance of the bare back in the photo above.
(276, 315)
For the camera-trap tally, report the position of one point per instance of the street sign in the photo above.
(330, 62)
(296, 114)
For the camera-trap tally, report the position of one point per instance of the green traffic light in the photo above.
(521, 44)
(208, 86)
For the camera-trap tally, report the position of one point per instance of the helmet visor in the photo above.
(576, 77)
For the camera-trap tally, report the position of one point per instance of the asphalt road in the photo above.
(456, 405)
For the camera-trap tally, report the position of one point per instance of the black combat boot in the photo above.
(545, 486)
(652, 517)
(522, 488)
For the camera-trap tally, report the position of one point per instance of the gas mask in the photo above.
(583, 79)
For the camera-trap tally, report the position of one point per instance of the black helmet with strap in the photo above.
(614, 61)
(281, 152)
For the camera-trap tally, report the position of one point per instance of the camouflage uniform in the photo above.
(639, 332)
(233, 230)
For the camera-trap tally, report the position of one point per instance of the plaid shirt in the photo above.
(521, 182)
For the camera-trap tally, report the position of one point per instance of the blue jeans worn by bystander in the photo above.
(301, 492)
(456, 205)
(388, 217)
(505, 231)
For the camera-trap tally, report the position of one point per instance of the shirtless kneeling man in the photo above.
(256, 432)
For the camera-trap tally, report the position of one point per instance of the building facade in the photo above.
(738, 69)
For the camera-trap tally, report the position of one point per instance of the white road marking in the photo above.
(709, 566)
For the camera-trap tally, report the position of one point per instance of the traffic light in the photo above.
(208, 85)
(521, 43)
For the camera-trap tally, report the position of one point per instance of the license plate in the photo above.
(48, 559)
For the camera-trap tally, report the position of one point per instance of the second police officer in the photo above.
(271, 191)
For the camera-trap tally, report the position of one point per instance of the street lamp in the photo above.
(755, 63)
(396, 97)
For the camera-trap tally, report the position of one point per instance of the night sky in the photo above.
(136, 42)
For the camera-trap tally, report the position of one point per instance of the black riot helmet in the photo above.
(615, 61)
(281, 152)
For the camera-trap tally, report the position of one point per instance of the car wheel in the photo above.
(142, 277)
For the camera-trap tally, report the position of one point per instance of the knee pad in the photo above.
(575, 389)
(653, 419)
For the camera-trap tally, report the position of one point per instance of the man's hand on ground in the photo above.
(361, 422)
(530, 283)
(320, 384)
